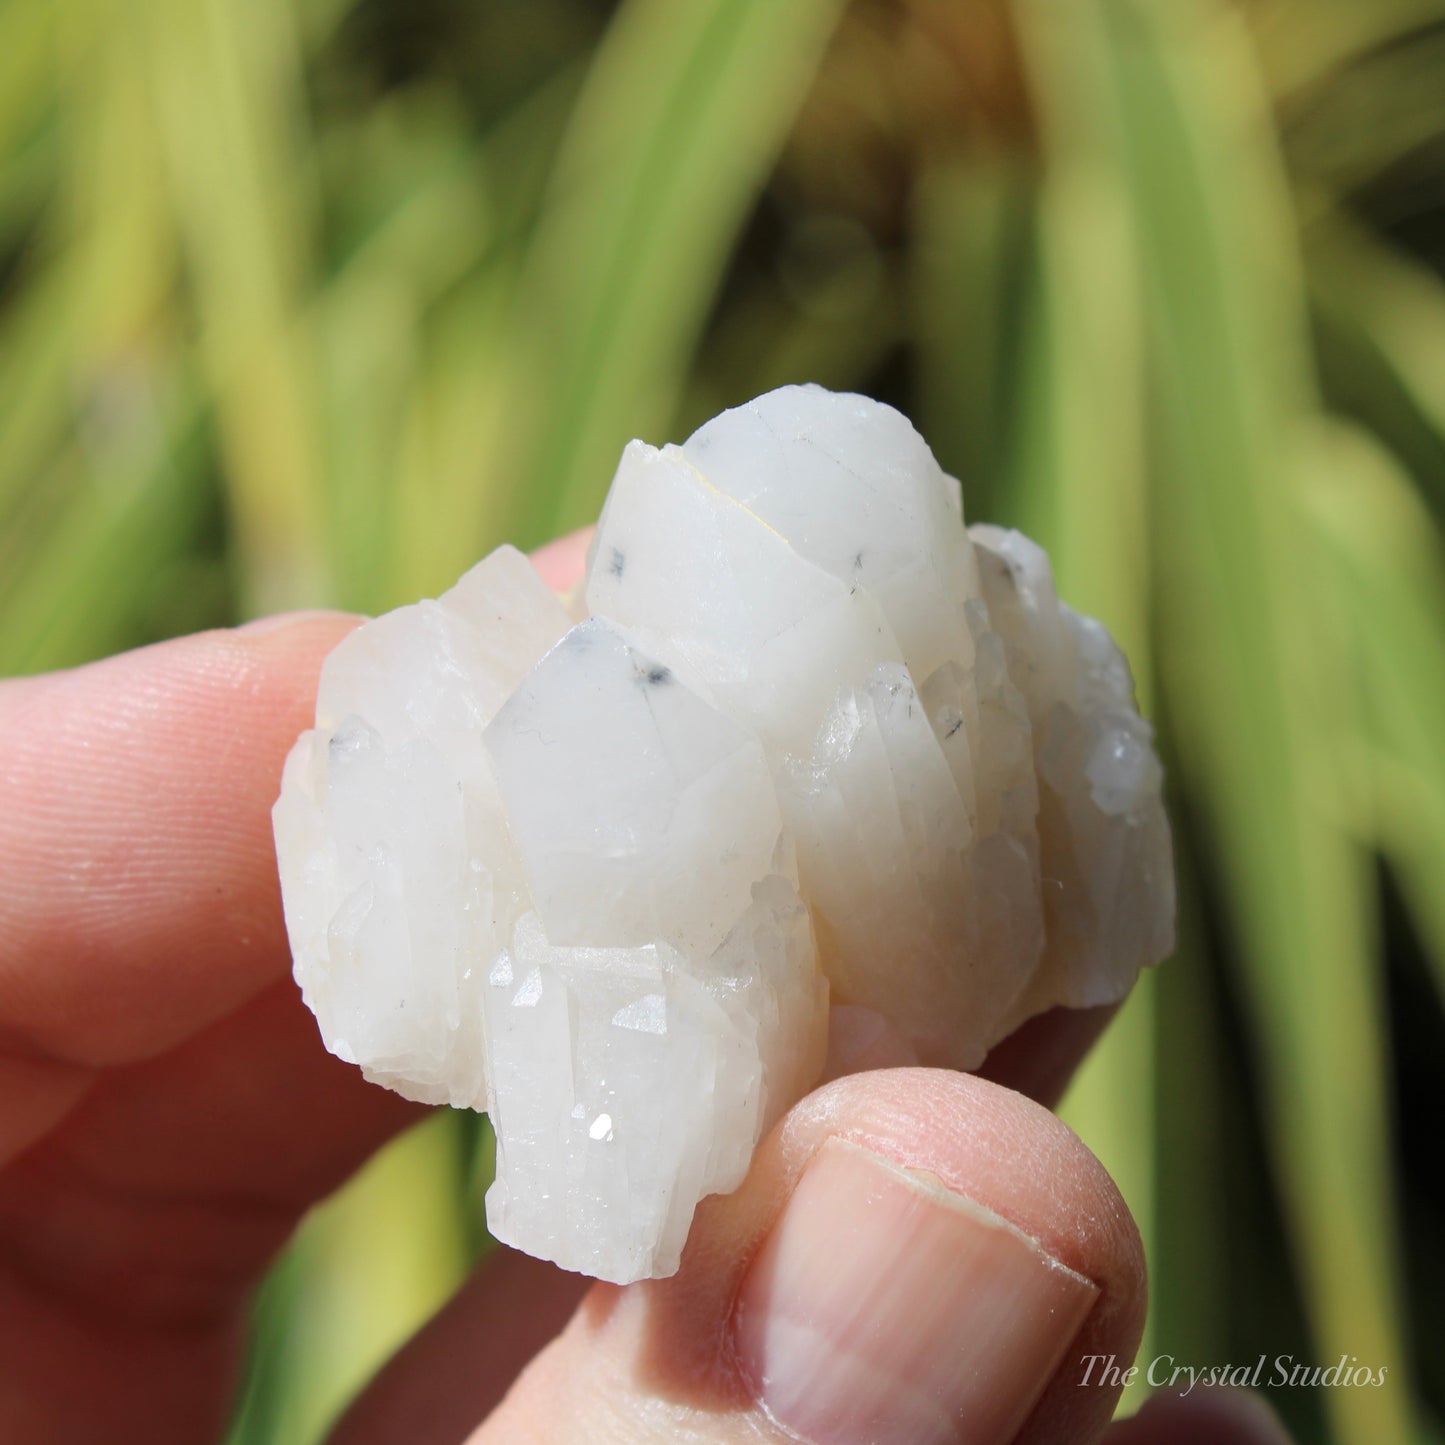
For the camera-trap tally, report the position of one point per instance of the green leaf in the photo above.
(1382, 321)
(1303, 41)
(228, 96)
(682, 114)
(1391, 564)
(27, 69)
(133, 507)
(972, 276)
(367, 1269)
(1251, 673)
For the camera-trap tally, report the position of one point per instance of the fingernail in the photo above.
(884, 1307)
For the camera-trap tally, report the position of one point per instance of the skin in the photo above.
(168, 1114)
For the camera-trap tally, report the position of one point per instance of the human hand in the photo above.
(914, 1256)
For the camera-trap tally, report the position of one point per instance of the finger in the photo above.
(1203, 1417)
(439, 1384)
(456, 1370)
(137, 903)
(915, 1256)
(145, 1000)
(1041, 1056)
(135, 833)
(560, 564)
(138, 892)
(175, 1180)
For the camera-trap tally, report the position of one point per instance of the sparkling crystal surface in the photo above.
(821, 780)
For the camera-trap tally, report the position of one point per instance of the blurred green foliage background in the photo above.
(315, 301)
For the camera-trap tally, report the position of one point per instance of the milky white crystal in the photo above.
(822, 781)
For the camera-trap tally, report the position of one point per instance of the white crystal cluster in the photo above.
(815, 753)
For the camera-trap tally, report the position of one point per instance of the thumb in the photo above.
(915, 1256)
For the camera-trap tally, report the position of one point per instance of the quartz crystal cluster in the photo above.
(808, 776)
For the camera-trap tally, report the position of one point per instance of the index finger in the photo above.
(138, 891)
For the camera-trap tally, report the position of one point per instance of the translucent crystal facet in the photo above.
(820, 780)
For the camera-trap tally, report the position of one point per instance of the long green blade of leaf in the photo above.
(27, 72)
(1250, 671)
(1303, 40)
(683, 112)
(1382, 319)
(351, 1303)
(1389, 555)
(133, 511)
(228, 99)
(973, 223)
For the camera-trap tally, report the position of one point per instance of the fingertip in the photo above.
(952, 1242)
(561, 563)
(1012, 1162)
(886, 1306)
(1042, 1055)
(135, 837)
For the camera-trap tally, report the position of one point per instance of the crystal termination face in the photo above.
(820, 781)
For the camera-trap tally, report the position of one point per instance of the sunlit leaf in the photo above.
(228, 94)
(684, 109)
(1383, 324)
(1247, 665)
(1389, 554)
